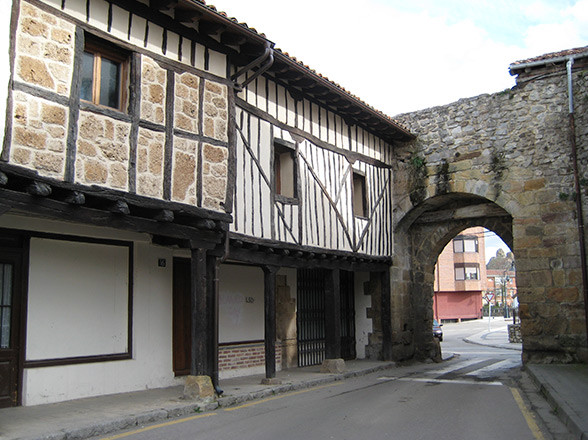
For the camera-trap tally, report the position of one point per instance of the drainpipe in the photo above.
(267, 58)
(578, 189)
(219, 261)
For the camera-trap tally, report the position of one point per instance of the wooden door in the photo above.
(181, 317)
(10, 294)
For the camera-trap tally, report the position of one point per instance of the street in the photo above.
(468, 397)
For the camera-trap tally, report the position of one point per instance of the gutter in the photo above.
(563, 59)
(581, 239)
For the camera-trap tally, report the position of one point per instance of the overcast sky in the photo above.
(400, 56)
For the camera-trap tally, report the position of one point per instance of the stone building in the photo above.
(178, 197)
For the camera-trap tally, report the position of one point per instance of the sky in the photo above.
(400, 56)
(492, 243)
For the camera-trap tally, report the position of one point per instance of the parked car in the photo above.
(437, 332)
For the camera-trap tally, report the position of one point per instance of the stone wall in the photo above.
(175, 148)
(512, 150)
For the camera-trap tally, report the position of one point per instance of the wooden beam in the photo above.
(210, 27)
(119, 207)
(467, 212)
(60, 210)
(40, 189)
(333, 315)
(75, 198)
(269, 303)
(198, 315)
(3, 179)
(232, 39)
(165, 216)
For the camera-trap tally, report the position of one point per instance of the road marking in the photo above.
(460, 382)
(281, 396)
(160, 425)
(527, 414)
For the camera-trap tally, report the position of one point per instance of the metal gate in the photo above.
(347, 315)
(310, 317)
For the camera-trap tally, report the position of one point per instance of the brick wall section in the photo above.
(233, 357)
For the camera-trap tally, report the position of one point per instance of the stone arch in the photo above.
(419, 239)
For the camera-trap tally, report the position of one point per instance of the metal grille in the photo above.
(347, 315)
(311, 316)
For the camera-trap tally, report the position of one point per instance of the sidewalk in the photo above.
(95, 416)
(564, 386)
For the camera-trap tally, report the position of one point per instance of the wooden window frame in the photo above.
(358, 176)
(280, 148)
(101, 49)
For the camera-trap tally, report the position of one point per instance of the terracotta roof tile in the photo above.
(553, 55)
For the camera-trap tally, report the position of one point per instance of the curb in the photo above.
(157, 415)
(503, 346)
(559, 405)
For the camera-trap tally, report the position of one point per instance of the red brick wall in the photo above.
(238, 356)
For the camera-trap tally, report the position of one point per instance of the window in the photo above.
(104, 75)
(465, 243)
(467, 272)
(285, 169)
(359, 195)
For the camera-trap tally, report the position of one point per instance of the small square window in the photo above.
(467, 272)
(285, 171)
(359, 195)
(104, 75)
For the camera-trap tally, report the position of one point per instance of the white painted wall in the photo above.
(151, 363)
(363, 325)
(241, 315)
(77, 299)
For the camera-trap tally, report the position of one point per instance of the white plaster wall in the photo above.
(151, 363)
(363, 325)
(5, 15)
(241, 315)
(77, 299)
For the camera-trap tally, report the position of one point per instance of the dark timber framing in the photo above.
(333, 315)
(269, 306)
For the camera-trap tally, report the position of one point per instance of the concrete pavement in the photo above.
(96, 416)
(564, 386)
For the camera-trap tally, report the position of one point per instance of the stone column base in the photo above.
(198, 387)
(271, 381)
(333, 366)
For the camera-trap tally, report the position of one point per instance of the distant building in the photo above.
(460, 277)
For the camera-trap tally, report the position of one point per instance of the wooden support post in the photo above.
(385, 303)
(269, 284)
(199, 313)
(333, 315)
(212, 290)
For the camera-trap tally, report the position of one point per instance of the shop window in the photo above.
(467, 272)
(104, 75)
(359, 195)
(285, 169)
(463, 243)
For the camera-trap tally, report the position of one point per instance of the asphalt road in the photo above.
(469, 397)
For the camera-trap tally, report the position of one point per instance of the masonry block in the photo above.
(335, 366)
(198, 387)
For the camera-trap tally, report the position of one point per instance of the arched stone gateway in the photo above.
(504, 162)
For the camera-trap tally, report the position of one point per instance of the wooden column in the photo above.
(269, 283)
(386, 312)
(212, 289)
(200, 364)
(333, 315)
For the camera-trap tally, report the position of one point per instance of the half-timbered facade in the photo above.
(177, 197)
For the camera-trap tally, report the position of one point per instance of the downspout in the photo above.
(578, 189)
(219, 261)
(267, 58)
